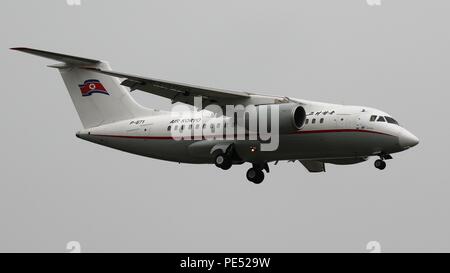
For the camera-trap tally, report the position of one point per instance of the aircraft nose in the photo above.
(407, 140)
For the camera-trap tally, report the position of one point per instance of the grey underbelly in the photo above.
(307, 146)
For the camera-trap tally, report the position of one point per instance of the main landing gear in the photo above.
(256, 174)
(223, 161)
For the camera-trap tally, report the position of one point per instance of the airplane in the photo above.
(313, 133)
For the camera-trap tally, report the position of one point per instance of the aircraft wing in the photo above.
(177, 92)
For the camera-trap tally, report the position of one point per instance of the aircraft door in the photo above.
(358, 123)
(346, 121)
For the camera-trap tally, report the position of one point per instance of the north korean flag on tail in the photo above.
(90, 87)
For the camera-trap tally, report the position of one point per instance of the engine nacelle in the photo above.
(292, 117)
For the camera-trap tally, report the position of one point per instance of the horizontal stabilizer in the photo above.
(68, 59)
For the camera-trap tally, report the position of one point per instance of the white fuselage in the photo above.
(333, 133)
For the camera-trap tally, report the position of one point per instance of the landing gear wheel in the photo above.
(255, 175)
(222, 161)
(380, 164)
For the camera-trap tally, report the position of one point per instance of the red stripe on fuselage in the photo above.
(340, 131)
(293, 133)
(135, 137)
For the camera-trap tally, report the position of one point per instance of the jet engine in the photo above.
(292, 117)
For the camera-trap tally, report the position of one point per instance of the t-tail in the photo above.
(99, 99)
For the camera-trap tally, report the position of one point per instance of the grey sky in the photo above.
(55, 188)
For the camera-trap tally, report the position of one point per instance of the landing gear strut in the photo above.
(380, 164)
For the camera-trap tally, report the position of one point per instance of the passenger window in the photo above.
(218, 125)
(321, 120)
(373, 118)
(313, 121)
(381, 118)
(168, 128)
(176, 127)
(182, 128)
(190, 126)
(306, 121)
(197, 126)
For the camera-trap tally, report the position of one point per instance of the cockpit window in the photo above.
(381, 118)
(391, 120)
(373, 118)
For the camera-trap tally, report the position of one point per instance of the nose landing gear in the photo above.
(380, 164)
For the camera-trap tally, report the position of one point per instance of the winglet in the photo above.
(68, 59)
